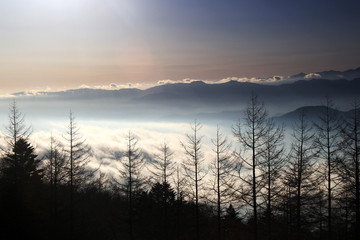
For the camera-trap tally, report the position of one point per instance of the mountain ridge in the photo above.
(330, 75)
(195, 97)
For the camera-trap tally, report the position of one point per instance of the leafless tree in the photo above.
(300, 174)
(55, 173)
(55, 163)
(17, 127)
(327, 143)
(222, 169)
(180, 189)
(78, 154)
(350, 161)
(163, 167)
(271, 163)
(193, 165)
(180, 183)
(250, 133)
(78, 158)
(132, 162)
(162, 163)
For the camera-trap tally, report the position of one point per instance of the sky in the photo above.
(57, 44)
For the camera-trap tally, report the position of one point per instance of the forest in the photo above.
(270, 187)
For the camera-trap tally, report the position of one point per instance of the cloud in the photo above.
(185, 80)
(115, 86)
(6, 96)
(32, 92)
(273, 79)
(312, 75)
(107, 139)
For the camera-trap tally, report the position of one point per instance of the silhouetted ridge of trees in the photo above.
(264, 185)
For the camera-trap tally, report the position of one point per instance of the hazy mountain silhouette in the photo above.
(198, 97)
(330, 75)
(233, 90)
(312, 114)
(224, 92)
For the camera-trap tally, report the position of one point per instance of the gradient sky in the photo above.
(68, 43)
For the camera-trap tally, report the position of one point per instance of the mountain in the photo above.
(85, 93)
(196, 97)
(214, 117)
(233, 90)
(311, 114)
(233, 96)
(329, 75)
(349, 74)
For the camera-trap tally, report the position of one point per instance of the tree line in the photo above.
(263, 186)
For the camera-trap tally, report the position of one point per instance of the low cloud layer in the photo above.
(108, 139)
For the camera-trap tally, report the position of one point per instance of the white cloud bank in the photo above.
(107, 139)
(273, 79)
(312, 76)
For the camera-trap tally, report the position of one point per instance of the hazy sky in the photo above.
(68, 43)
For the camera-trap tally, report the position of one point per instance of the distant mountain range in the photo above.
(312, 114)
(171, 87)
(329, 75)
(192, 99)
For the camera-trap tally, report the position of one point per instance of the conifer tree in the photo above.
(21, 165)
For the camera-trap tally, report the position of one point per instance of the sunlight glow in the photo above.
(63, 4)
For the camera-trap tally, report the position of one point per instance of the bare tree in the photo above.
(132, 181)
(300, 172)
(180, 183)
(350, 161)
(327, 143)
(162, 168)
(16, 128)
(271, 163)
(78, 159)
(163, 164)
(250, 133)
(78, 154)
(55, 173)
(55, 163)
(222, 167)
(193, 165)
(344, 198)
